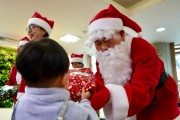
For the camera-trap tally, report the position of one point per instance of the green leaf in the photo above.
(7, 60)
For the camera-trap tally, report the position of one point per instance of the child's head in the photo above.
(42, 62)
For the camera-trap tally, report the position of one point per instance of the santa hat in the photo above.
(23, 41)
(109, 21)
(41, 21)
(76, 58)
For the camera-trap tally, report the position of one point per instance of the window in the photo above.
(177, 58)
(178, 66)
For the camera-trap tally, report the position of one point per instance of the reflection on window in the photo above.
(178, 66)
(178, 70)
(177, 57)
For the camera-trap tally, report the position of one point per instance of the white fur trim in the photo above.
(131, 118)
(119, 102)
(129, 42)
(18, 78)
(22, 43)
(140, 35)
(76, 60)
(19, 95)
(40, 23)
(105, 24)
(177, 118)
(130, 31)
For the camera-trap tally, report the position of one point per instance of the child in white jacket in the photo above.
(44, 65)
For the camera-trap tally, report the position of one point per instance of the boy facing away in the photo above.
(44, 65)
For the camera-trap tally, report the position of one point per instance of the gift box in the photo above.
(79, 78)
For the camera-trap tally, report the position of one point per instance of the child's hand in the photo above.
(85, 94)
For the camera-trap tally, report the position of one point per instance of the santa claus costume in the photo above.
(139, 87)
(15, 77)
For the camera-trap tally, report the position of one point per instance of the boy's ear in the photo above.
(63, 80)
(65, 76)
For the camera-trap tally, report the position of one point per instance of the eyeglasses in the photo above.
(32, 26)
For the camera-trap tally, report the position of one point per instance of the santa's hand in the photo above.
(99, 99)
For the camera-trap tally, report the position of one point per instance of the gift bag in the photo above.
(79, 78)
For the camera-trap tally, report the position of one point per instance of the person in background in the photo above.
(79, 77)
(77, 60)
(38, 27)
(15, 77)
(44, 65)
(131, 79)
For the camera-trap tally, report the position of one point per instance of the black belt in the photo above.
(163, 79)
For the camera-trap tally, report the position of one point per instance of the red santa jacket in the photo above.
(14, 79)
(139, 99)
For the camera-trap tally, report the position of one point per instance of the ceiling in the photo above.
(73, 17)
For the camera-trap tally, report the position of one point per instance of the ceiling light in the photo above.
(69, 38)
(161, 29)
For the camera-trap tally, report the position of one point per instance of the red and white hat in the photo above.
(41, 21)
(109, 21)
(76, 58)
(23, 41)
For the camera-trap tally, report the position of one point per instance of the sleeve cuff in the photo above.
(118, 101)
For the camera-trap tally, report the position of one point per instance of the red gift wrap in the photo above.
(79, 78)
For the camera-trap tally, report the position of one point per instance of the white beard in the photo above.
(115, 64)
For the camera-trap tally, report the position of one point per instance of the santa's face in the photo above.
(115, 63)
(104, 44)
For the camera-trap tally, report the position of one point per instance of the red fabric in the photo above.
(12, 76)
(76, 55)
(99, 99)
(144, 101)
(25, 39)
(79, 78)
(147, 68)
(50, 22)
(112, 12)
(12, 79)
(22, 87)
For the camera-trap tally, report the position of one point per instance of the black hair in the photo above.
(46, 35)
(41, 61)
